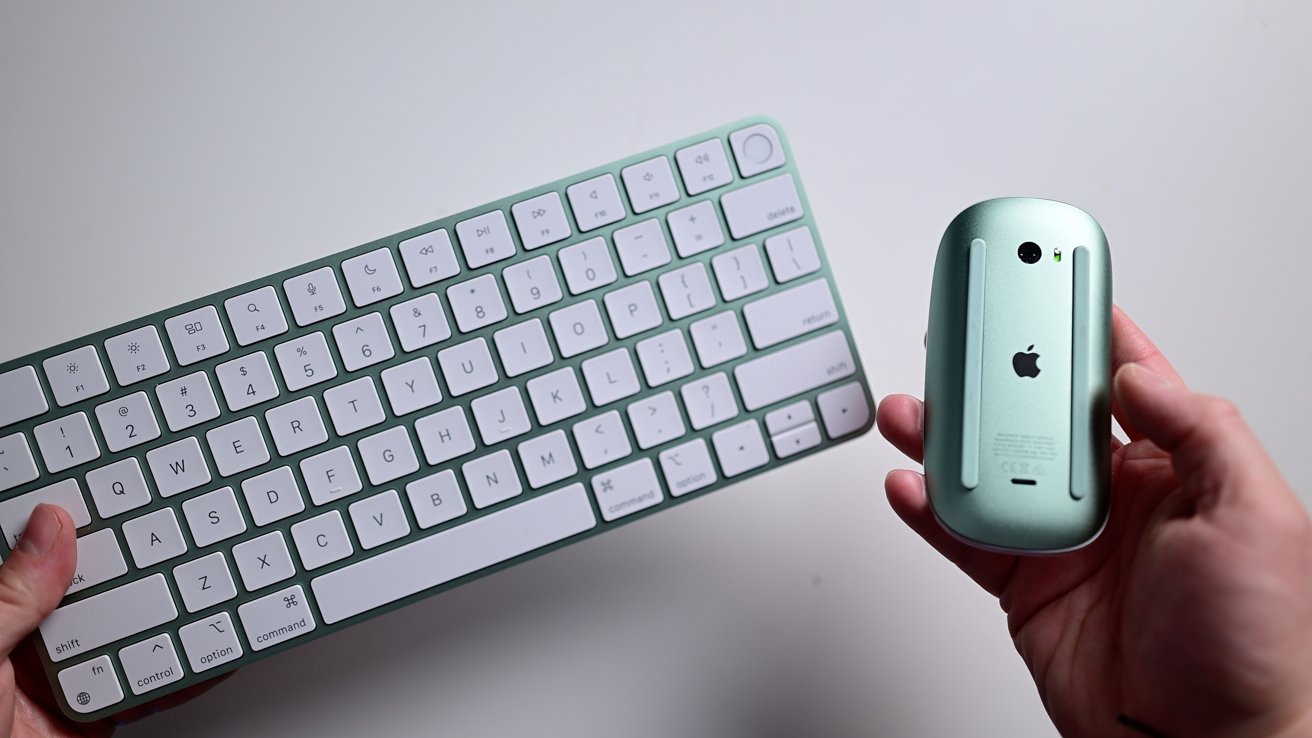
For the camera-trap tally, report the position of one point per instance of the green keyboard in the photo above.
(278, 461)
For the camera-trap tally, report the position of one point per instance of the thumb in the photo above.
(35, 576)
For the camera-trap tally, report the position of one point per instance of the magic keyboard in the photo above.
(280, 460)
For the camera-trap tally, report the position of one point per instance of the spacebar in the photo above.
(453, 553)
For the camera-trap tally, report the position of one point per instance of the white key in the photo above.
(451, 554)
(15, 511)
(709, 400)
(21, 396)
(656, 420)
(354, 406)
(664, 358)
(792, 254)
(321, 540)
(500, 416)
(740, 448)
(532, 284)
(695, 229)
(204, 582)
(578, 328)
(632, 309)
(210, 642)
(610, 377)
(150, 664)
(420, 322)
(435, 499)
(255, 316)
(388, 455)
(276, 618)
(272, 496)
(137, 355)
(789, 417)
(363, 342)
(444, 435)
(99, 559)
(795, 440)
(650, 184)
(154, 537)
(128, 421)
(523, 347)
(74, 376)
(756, 149)
(429, 257)
(331, 475)
(704, 166)
(491, 479)
(314, 296)
(196, 335)
(485, 239)
(845, 410)
(237, 447)
(304, 362)
(178, 467)
(88, 624)
(759, 207)
(541, 220)
(411, 386)
(547, 459)
(16, 463)
(467, 367)
(790, 313)
(642, 247)
(91, 685)
(248, 381)
(627, 489)
(66, 443)
(188, 401)
(263, 561)
(476, 303)
(371, 277)
(687, 467)
(601, 440)
(556, 396)
(687, 291)
(740, 272)
(296, 426)
(794, 370)
(213, 517)
(379, 519)
(718, 339)
(595, 202)
(587, 265)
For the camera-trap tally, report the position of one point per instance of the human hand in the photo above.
(1191, 615)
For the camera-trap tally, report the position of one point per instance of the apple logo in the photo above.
(1026, 364)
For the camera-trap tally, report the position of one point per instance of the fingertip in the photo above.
(905, 490)
(900, 419)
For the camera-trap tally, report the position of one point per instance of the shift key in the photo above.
(89, 624)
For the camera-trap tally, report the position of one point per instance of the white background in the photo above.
(150, 154)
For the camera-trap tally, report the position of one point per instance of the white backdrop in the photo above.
(151, 153)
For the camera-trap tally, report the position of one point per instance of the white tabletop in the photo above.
(152, 153)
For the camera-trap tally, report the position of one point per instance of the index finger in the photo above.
(1130, 345)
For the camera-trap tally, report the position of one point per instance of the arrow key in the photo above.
(150, 664)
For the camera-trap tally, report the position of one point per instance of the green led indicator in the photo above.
(1056, 255)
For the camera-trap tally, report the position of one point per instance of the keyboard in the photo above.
(283, 459)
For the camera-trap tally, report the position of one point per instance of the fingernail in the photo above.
(42, 529)
(1148, 376)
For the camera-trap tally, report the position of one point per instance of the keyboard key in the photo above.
(632, 309)
(664, 358)
(237, 447)
(429, 258)
(761, 206)
(150, 664)
(740, 272)
(704, 166)
(687, 467)
(656, 420)
(99, 559)
(154, 538)
(388, 455)
(204, 582)
(601, 440)
(642, 247)
(627, 489)
(790, 313)
(255, 316)
(650, 184)
(451, 554)
(467, 367)
(485, 239)
(740, 448)
(756, 149)
(532, 284)
(794, 370)
(792, 254)
(541, 220)
(795, 440)
(354, 406)
(213, 517)
(491, 479)
(523, 347)
(128, 421)
(21, 396)
(196, 335)
(587, 265)
(73, 376)
(789, 417)
(411, 386)
(296, 426)
(379, 519)
(91, 685)
(15, 511)
(687, 291)
(88, 624)
(371, 277)
(556, 396)
(188, 401)
(275, 618)
(118, 488)
(67, 442)
(595, 202)
(578, 328)
(709, 400)
(444, 435)
(248, 381)
(435, 499)
(547, 459)
(178, 467)
(476, 303)
(420, 322)
(272, 496)
(331, 475)
(695, 229)
(16, 463)
(500, 416)
(263, 561)
(321, 540)
(210, 642)
(314, 296)
(137, 355)
(845, 410)
(304, 361)
(718, 339)
(610, 377)
(363, 342)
